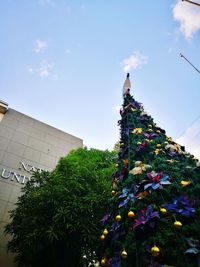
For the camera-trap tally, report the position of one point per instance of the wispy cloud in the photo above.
(188, 16)
(40, 46)
(191, 138)
(45, 69)
(134, 61)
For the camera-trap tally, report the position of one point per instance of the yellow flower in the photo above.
(136, 170)
(137, 131)
(185, 183)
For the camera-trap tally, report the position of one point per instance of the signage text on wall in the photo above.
(20, 178)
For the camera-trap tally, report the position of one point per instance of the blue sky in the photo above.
(64, 62)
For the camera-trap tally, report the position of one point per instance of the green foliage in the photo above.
(144, 143)
(57, 217)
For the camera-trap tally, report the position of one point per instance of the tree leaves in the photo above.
(61, 210)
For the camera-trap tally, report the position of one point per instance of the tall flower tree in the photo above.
(153, 218)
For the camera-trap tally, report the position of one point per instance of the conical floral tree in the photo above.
(153, 217)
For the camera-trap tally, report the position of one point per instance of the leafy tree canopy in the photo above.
(56, 219)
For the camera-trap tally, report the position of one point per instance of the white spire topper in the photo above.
(127, 85)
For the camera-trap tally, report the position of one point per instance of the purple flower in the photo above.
(142, 147)
(127, 195)
(194, 246)
(150, 136)
(145, 216)
(182, 205)
(155, 180)
(116, 260)
(105, 218)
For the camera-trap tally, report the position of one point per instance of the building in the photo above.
(26, 144)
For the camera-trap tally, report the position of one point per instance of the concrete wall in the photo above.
(25, 144)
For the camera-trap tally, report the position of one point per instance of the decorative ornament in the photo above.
(126, 196)
(150, 135)
(157, 151)
(158, 145)
(103, 262)
(182, 205)
(131, 214)
(124, 254)
(158, 131)
(102, 237)
(149, 130)
(137, 131)
(118, 218)
(145, 216)
(169, 139)
(163, 211)
(171, 160)
(194, 246)
(178, 225)
(139, 168)
(155, 180)
(113, 192)
(147, 140)
(150, 126)
(139, 143)
(105, 232)
(173, 149)
(155, 251)
(185, 183)
(136, 170)
(125, 161)
(142, 195)
(138, 163)
(114, 185)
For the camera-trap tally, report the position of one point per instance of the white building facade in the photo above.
(26, 144)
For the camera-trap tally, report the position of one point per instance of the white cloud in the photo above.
(191, 138)
(40, 46)
(134, 61)
(188, 16)
(45, 69)
(30, 70)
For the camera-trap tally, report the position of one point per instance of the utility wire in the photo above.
(191, 2)
(189, 62)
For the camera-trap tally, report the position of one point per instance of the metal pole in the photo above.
(189, 62)
(191, 2)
